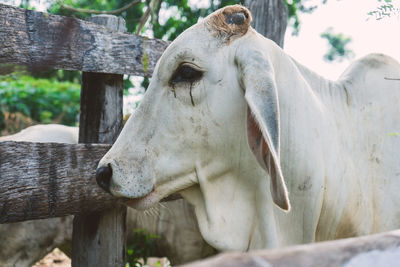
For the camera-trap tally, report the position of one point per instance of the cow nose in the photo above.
(103, 177)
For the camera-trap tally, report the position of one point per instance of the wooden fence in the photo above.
(41, 40)
(48, 180)
(39, 180)
(380, 250)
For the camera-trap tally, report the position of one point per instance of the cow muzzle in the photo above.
(103, 177)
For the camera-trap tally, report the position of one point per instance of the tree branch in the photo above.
(143, 20)
(151, 6)
(93, 11)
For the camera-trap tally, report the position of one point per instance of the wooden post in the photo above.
(98, 238)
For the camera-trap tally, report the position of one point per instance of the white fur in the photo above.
(340, 164)
(46, 133)
(376, 258)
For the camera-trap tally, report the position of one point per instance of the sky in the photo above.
(350, 18)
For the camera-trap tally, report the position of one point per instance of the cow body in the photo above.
(269, 153)
(346, 165)
(47, 133)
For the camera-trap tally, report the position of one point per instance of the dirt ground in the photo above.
(57, 258)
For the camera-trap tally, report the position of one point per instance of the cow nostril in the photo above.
(103, 177)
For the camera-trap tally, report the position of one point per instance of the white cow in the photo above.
(239, 128)
(174, 222)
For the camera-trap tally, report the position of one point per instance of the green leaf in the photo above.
(41, 99)
(337, 43)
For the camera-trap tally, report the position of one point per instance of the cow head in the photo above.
(207, 127)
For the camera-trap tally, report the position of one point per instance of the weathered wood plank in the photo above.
(361, 251)
(40, 40)
(43, 180)
(97, 123)
(99, 238)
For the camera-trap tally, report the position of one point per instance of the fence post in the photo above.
(98, 238)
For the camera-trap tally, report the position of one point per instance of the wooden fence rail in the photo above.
(374, 250)
(43, 180)
(40, 40)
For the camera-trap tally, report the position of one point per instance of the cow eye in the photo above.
(186, 73)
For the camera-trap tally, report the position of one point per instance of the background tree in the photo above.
(385, 9)
(338, 43)
(269, 18)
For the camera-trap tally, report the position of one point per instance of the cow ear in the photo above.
(263, 128)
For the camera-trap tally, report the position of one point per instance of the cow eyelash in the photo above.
(185, 73)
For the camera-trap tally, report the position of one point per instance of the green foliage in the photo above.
(182, 15)
(127, 84)
(143, 247)
(295, 7)
(42, 100)
(338, 46)
(145, 83)
(131, 15)
(385, 10)
(185, 16)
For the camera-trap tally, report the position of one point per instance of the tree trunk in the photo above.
(269, 18)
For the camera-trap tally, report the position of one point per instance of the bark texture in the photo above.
(269, 18)
(44, 180)
(42, 41)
